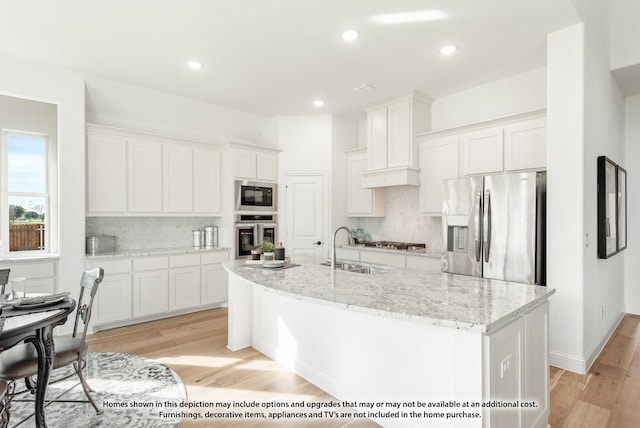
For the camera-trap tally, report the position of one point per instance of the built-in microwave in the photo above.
(254, 196)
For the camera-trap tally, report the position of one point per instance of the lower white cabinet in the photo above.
(150, 293)
(184, 288)
(136, 289)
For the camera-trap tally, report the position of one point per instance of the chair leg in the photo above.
(85, 386)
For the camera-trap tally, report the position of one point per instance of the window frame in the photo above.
(50, 159)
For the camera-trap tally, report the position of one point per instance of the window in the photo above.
(25, 190)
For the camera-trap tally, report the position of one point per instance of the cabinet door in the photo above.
(266, 166)
(177, 179)
(377, 138)
(150, 293)
(106, 174)
(438, 161)
(536, 366)
(184, 288)
(399, 144)
(482, 151)
(214, 284)
(362, 202)
(244, 164)
(145, 176)
(113, 300)
(525, 145)
(206, 186)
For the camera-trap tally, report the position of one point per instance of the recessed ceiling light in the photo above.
(405, 17)
(350, 35)
(194, 65)
(318, 103)
(448, 50)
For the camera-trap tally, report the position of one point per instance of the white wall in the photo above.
(517, 94)
(632, 164)
(67, 91)
(132, 107)
(603, 135)
(625, 42)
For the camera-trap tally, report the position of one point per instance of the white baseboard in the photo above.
(581, 364)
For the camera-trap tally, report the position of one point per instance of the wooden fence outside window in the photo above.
(26, 237)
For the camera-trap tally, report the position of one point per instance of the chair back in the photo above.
(88, 289)
(4, 279)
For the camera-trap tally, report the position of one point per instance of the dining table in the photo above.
(34, 324)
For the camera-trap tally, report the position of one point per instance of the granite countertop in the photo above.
(155, 252)
(454, 301)
(424, 252)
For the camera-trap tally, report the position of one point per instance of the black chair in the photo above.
(21, 361)
(4, 279)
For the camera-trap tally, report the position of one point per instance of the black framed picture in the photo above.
(622, 207)
(612, 208)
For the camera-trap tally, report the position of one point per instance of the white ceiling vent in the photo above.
(363, 88)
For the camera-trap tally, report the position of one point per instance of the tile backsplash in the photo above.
(148, 232)
(403, 220)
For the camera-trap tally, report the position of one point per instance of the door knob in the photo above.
(317, 243)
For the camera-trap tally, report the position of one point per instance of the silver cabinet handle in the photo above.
(478, 226)
(487, 225)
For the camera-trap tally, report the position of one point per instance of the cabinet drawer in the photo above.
(347, 254)
(214, 257)
(32, 270)
(111, 266)
(429, 264)
(382, 258)
(150, 263)
(184, 260)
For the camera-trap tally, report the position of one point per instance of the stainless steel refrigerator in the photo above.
(494, 226)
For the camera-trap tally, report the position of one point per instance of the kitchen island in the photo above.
(401, 335)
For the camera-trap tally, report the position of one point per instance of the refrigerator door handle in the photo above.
(476, 220)
(487, 225)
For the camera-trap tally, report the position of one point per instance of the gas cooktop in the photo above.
(393, 245)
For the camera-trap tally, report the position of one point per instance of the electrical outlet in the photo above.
(505, 366)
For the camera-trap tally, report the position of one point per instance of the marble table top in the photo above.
(155, 251)
(448, 300)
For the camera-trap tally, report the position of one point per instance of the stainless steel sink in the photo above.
(357, 267)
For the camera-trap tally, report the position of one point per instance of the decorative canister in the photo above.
(279, 251)
(197, 238)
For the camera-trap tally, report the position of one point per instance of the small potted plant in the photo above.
(267, 250)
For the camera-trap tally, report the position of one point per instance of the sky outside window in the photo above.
(26, 164)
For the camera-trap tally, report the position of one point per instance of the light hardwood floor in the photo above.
(609, 395)
(194, 346)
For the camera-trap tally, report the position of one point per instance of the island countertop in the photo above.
(442, 299)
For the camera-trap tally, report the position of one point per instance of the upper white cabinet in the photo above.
(525, 145)
(254, 165)
(362, 202)
(206, 181)
(507, 144)
(133, 174)
(106, 174)
(145, 176)
(177, 176)
(391, 141)
(482, 151)
(439, 160)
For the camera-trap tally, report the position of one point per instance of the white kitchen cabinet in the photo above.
(206, 183)
(383, 258)
(439, 160)
(525, 145)
(106, 174)
(136, 174)
(427, 264)
(184, 287)
(254, 165)
(482, 151)
(517, 367)
(144, 160)
(113, 300)
(391, 142)
(177, 175)
(362, 202)
(213, 278)
(150, 286)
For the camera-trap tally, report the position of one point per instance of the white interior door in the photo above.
(307, 213)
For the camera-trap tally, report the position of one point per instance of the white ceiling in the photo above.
(274, 57)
